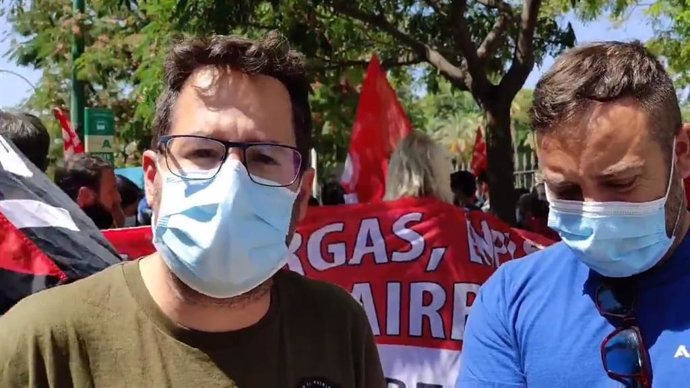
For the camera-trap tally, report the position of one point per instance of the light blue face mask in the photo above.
(223, 236)
(615, 239)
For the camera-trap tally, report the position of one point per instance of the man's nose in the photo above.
(235, 154)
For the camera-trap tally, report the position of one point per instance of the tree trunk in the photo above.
(500, 154)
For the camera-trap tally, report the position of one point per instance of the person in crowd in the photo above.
(144, 212)
(606, 306)
(464, 186)
(483, 192)
(228, 178)
(332, 194)
(131, 195)
(523, 209)
(532, 213)
(28, 133)
(90, 182)
(419, 168)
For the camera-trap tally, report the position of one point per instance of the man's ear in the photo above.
(85, 197)
(150, 166)
(305, 192)
(683, 151)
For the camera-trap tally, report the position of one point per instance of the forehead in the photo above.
(608, 137)
(234, 106)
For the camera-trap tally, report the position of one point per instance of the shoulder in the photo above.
(52, 309)
(319, 297)
(536, 274)
(555, 259)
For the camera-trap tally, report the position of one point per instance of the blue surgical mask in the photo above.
(615, 239)
(223, 236)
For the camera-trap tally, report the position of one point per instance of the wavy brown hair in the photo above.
(270, 56)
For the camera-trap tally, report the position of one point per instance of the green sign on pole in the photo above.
(99, 136)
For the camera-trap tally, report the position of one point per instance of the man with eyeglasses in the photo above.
(606, 307)
(227, 180)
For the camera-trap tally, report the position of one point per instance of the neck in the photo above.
(200, 313)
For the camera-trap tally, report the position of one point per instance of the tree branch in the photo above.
(477, 81)
(493, 40)
(495, 37)
(421, 49)
(523, 57)
(327, 64)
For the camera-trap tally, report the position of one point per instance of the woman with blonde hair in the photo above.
(419, 167)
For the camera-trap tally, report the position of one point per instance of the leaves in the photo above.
(126, 42)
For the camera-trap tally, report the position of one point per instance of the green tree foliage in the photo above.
(484, 47)
(671, 22)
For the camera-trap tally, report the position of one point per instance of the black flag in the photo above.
(45, 238)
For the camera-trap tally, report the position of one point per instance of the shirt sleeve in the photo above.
(490, 355)
(21, 364)
(368, 370)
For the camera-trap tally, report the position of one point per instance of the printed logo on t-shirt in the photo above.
(682, 352)
(316, 382)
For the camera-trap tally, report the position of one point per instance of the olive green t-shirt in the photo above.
(106, 331)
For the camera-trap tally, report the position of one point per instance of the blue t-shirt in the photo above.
(535, 324)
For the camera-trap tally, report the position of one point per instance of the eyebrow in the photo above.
(621, 168)
(210, 135)
(555, 180)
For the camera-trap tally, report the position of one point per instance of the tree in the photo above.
(487, 47)
(670, 20)
(111, 30)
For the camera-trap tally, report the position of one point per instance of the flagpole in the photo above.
(77, 97)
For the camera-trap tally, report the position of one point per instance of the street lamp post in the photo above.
(14, 73)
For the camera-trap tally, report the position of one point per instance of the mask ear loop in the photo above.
(668, 190)
(673, 169)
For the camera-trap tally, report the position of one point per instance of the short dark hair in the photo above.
(129, 191)
(463, 182)
(81, 170)
(605, 72)
(332, 193)
(28, 133)
(270, 56)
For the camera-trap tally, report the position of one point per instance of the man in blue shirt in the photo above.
(608, 306)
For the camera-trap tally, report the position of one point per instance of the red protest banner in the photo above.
(380, 125)
(131, 243)
(71, 143)
(415, 265)
(479, 162)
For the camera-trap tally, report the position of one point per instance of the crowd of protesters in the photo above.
(114, 201)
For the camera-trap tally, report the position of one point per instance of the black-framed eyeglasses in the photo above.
(623, 353)
(199, 157)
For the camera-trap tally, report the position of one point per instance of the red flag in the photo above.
(380, 125)
(71, 143)
(479, 160)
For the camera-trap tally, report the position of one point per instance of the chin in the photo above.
(191, 296)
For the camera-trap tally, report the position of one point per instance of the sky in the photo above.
(14, 90)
